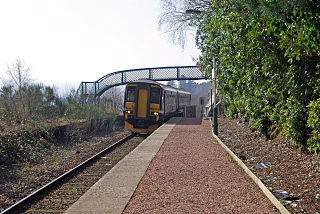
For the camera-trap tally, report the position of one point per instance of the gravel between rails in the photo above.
(192, 174)
(62, 197)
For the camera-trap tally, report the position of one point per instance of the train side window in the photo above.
(131, 93)
(155, 95)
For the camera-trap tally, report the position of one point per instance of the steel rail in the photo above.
(18, 205)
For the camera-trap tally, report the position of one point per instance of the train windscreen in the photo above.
(155, 95)
(131, 93)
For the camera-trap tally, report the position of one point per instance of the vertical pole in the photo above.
(178, 73)
(82, 94)
(122, 77)
(215, 110)
(95, 93)
(211, 106)
(215, 120)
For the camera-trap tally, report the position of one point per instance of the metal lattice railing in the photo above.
(89, 91)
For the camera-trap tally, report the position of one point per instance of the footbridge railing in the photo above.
(90, 91)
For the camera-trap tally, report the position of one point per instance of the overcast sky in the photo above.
(69, 41)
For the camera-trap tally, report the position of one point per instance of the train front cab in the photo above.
(142, 106)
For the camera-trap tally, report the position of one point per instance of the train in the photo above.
(148, 104)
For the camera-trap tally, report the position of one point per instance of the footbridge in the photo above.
(89, 91)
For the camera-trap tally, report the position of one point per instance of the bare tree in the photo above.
(180, 16)
(19, 73)
(19, 79)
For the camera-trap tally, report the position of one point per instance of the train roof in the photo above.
(166, 87)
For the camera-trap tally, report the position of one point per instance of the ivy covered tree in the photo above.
(267, 62)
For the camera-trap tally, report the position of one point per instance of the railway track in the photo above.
(59, 194)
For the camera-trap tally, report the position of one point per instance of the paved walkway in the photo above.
(192, 173)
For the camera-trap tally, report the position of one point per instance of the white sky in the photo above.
(69, 41)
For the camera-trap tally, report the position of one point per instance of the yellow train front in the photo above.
(148, 104)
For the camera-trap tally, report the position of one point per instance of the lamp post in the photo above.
(215, 109)
(213, 90)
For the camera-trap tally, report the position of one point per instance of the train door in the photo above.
(142, 111)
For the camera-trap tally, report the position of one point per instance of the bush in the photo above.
(33, 102)
(76, 110)
(267, 56)
(314, 124)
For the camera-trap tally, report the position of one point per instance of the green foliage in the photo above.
(31, 103)
(28, 103)
(31, 145)
(314, 124)
(76, 110)
(267, 62)
(24, 146)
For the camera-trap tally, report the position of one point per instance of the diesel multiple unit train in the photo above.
(147, 104)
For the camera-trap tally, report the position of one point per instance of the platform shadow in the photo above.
(190, 121)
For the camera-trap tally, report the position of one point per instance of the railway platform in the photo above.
(180, 168)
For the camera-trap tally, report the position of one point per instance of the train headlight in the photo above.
(155, 113)
(129, 111)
